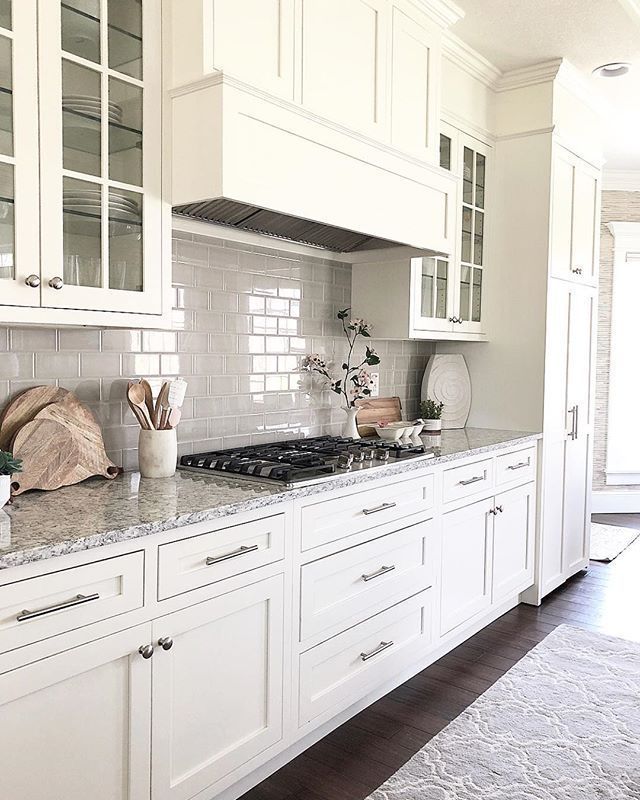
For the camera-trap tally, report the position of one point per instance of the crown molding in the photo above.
(443, 12)
(463, 124)
(529, 76)
(468, 59)
(621, 180)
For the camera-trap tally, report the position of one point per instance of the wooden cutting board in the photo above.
(23, 409)
(377, 409)
(61, 446)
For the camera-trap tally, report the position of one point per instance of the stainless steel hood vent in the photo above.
(281, 226)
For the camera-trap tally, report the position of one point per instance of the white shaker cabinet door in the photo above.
(218, 690)
(586, 223)
(466, 564)
(513, 540)
(77, 725)
(343, 57)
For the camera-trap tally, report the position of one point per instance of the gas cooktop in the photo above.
(300, 462)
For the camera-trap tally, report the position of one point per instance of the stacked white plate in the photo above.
(89, 201)
(90, 106)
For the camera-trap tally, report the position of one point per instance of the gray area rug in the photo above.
(608, 541)
(562, 724)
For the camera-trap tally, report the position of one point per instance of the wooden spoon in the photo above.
(136, 397)
(162, 405)
(174, 417)
(148, 399)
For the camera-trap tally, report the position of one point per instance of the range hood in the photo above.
(281, 226)
(244, 160)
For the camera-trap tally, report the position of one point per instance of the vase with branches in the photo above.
(356, 381)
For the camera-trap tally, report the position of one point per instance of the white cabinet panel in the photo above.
(561, 215)
(466, 565)
(513, 539)
(414, 64)
(218, 693)
(77, 725)
(343, 58)
(585, 222)
(253, 40)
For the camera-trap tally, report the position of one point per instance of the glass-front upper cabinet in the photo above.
(101, 138)
(432, 294)
(19, 207)
(472, 231)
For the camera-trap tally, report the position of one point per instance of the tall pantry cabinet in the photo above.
(537, 373)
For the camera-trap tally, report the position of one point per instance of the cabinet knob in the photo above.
(146, 651)
(453, 319)
(576, 270)
(33, 281)
(500, 509)
(166, 643)
(56, 283)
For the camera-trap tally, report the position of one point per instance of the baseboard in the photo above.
(615, 502)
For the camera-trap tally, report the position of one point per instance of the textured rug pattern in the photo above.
(608, 541)
(562, 724)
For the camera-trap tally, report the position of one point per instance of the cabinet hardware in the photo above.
(56, 283)
(459, 320)
(376, 651)
(575, 418)
(166, 643)
(520, 464)
(573, 433)
(33, 281)
(469, 481)
(499, 509)
(378, 573)
(78, 600)
(241, 551)
(576, 270)
(493, 511)
(382, 507)
(453, 319)
(146, 650)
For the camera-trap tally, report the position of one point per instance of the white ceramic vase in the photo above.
(432, 425)
(350, 429)
(157, 453)
(5, 489)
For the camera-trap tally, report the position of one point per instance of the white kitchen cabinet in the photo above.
(569, 441)
(435, 297)
(93, 111)
(513, 541)
(78, 724)
(465, 578)
(575, 218)
(218, 690)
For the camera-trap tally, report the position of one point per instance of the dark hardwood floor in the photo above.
(356, 758)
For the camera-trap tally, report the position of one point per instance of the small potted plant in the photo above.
(431, 413)
(8, 466)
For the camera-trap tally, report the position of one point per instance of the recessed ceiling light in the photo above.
(613, 70)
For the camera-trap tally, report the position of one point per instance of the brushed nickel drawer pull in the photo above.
(475, 479)
(520, 464)
(378, 573)
(241, 551)
(376, 651)
(382, 507)
(78, 600)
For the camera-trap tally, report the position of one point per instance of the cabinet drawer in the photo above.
(467, 480)
(340, 671)
(213, 556)
(345, 588)
(519, 466)
(40, 607)
(340, 517)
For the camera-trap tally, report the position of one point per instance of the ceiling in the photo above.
(588, 33)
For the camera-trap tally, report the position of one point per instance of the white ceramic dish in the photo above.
(389, 434)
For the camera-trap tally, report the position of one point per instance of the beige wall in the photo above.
(243, 318)
(616, 207)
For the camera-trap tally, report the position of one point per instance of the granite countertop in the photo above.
(41, 525)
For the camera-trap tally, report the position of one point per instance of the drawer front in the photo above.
(47, 605)
(467, 480)
(331, 520)
(216, 555)
(340, 671)
(517, 467)
(345, 588)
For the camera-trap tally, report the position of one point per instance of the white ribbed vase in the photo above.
(350, 429)
(157, 453)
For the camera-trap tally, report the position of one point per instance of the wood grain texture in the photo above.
(23, 409)
(61, 446)
(360, 755)
(377, 409)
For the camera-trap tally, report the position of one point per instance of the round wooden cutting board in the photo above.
(23, 409)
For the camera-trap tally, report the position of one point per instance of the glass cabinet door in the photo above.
(472, 233)
(19, 206)
(101, 154)
(433, 293)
